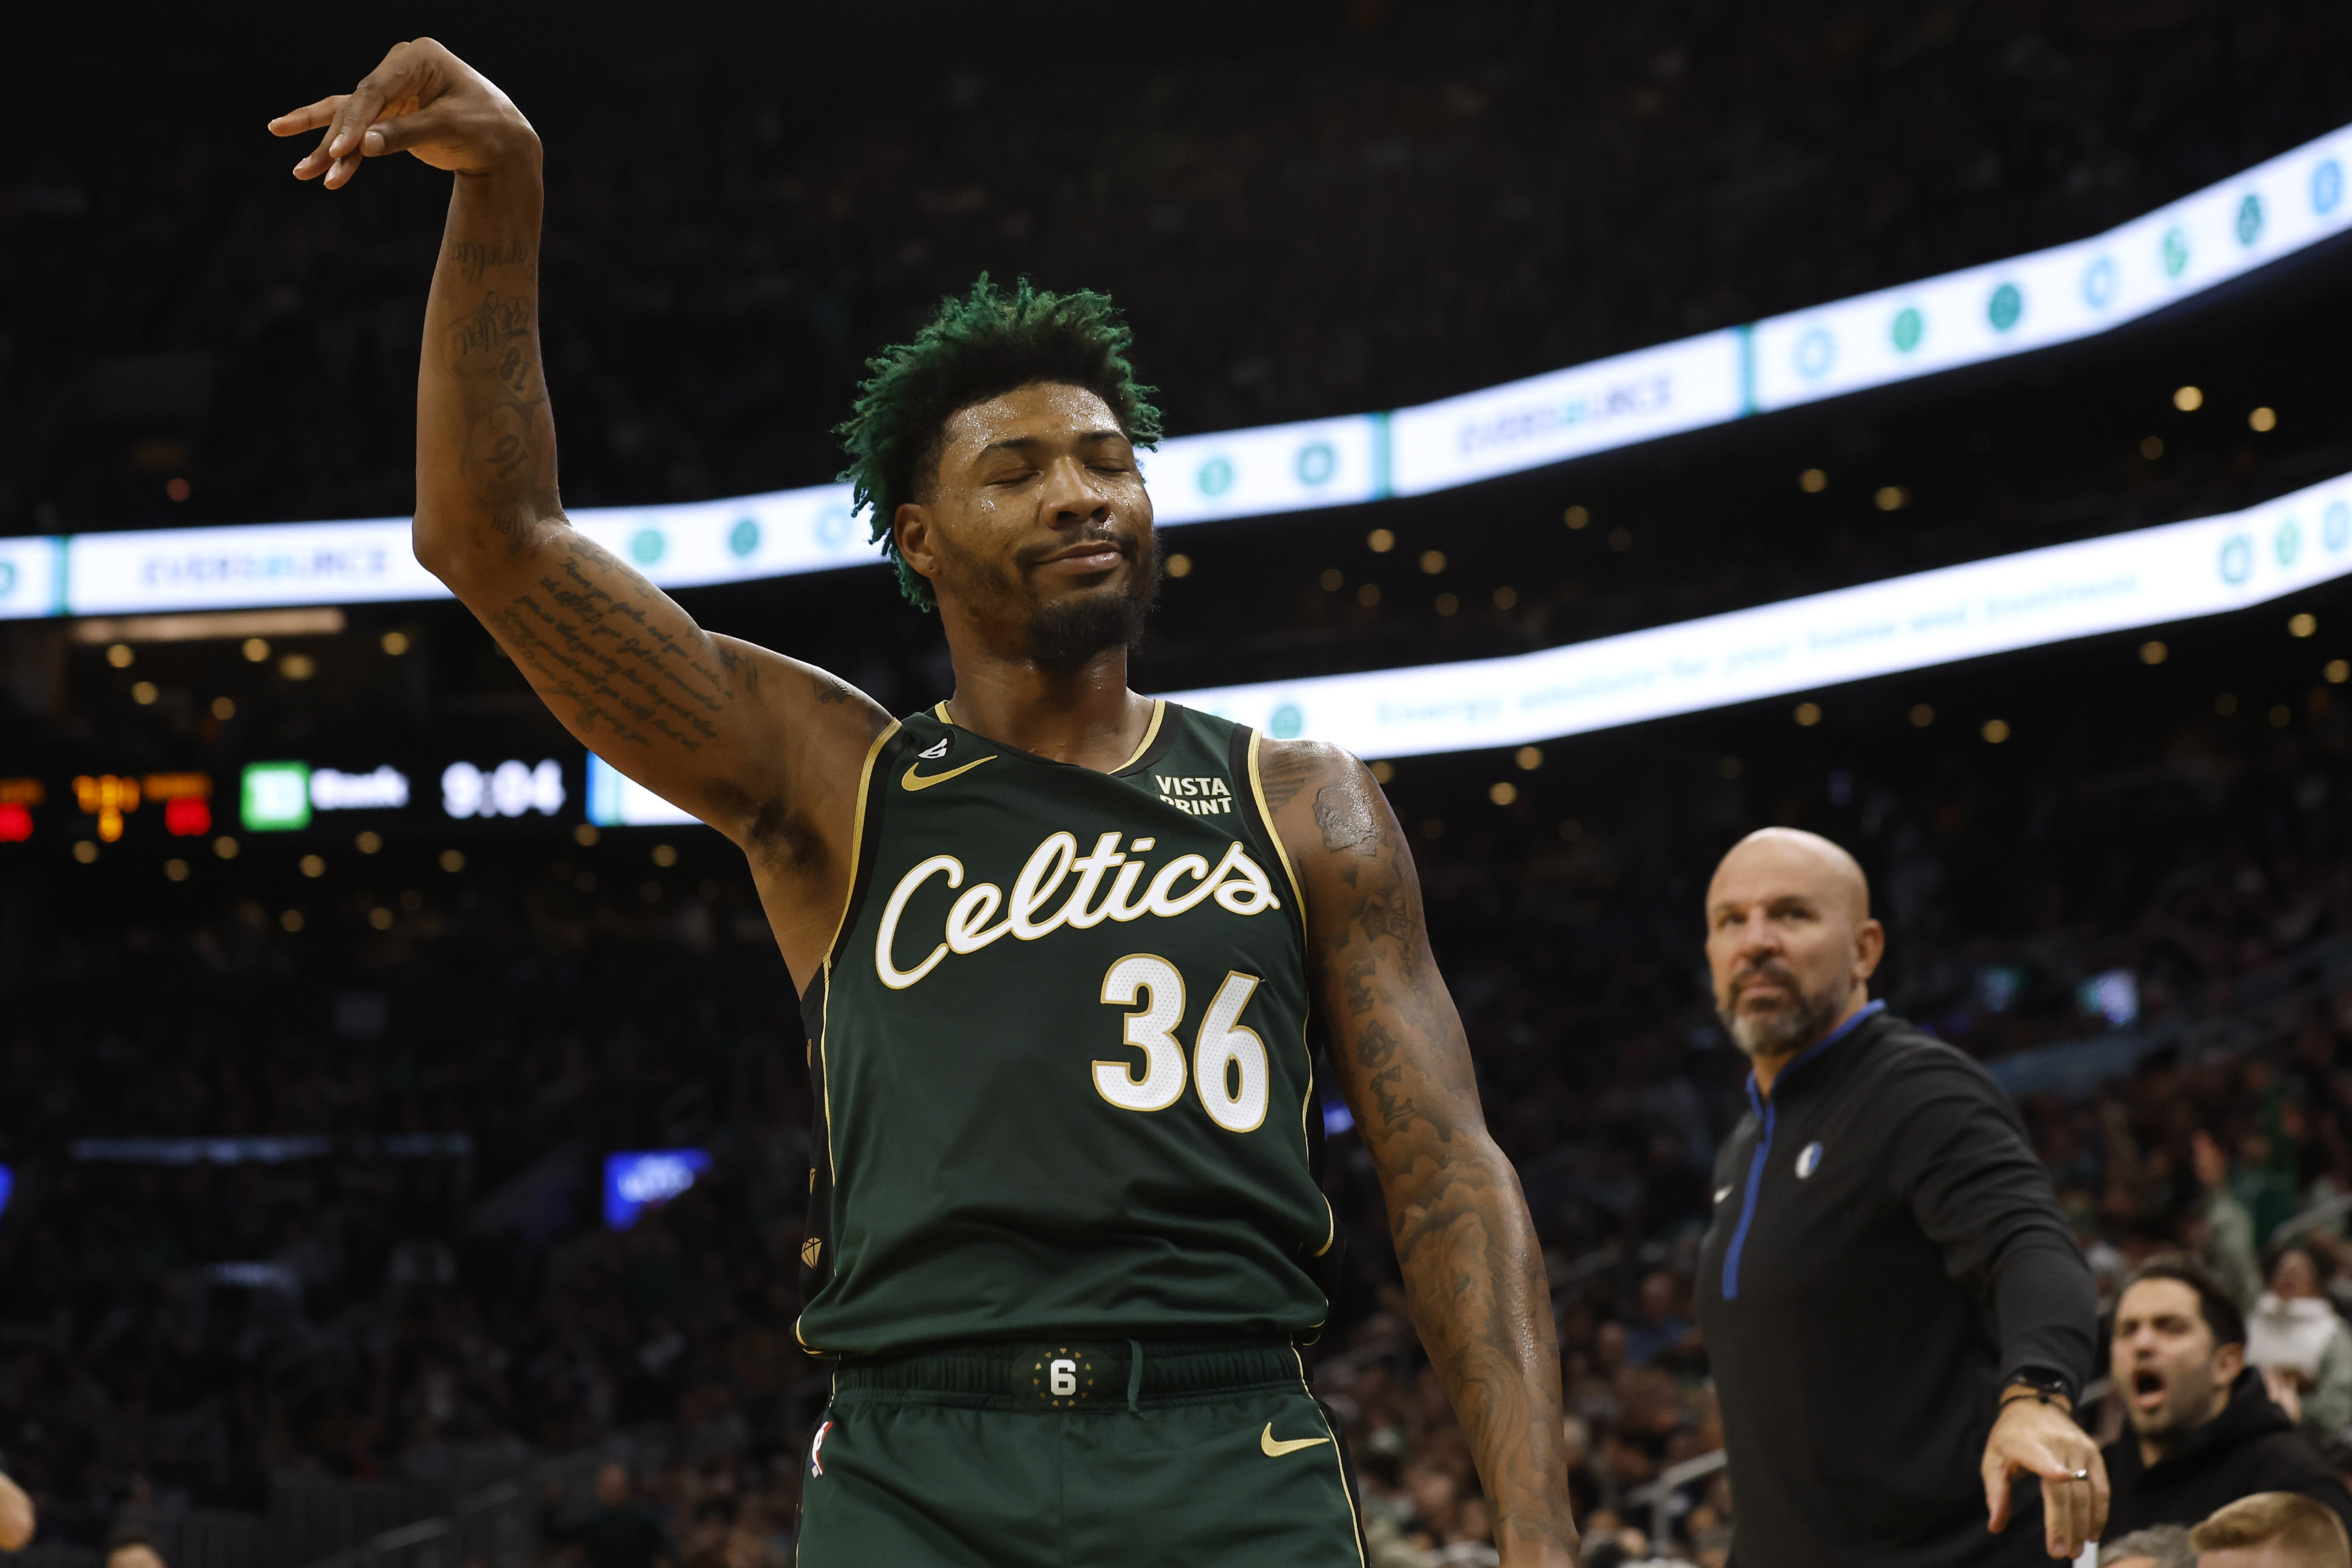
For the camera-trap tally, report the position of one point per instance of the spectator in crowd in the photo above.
(132, 1548)
(2297, 1340)
(2222, 854)
(2272, 1530)
(2163, 1546)
(1662, 1334)
(619, 1534)
(2229, 1225)
(15, 1516)
(1878, 1210)
(2203, 1431)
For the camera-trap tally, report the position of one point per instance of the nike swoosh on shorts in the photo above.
(1274, 1451)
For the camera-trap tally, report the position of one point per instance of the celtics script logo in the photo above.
(1237, 883)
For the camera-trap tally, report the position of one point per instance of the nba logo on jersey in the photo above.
(817, 1449)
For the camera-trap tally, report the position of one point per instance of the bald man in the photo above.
(1896, 1313)
(15, 1516)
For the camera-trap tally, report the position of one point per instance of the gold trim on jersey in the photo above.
(1150, 731)
(1306, 1104)
(1150, 734)
(849, 897)
(831, 1167)
(1281, 853)
(1338, 1462)
(1330, 1216)
(857, 835)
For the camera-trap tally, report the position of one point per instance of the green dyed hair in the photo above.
(982, 346)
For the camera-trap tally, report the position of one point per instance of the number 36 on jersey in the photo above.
(1229, 1067)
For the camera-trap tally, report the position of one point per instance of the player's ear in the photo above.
(911, 525)
(1869, 947)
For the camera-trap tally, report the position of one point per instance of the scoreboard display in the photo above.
(294, 796)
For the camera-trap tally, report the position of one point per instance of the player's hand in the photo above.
(2035, 1439)
(422, 100)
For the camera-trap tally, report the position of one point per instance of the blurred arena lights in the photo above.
(1969, 317)
(319, 621)
(637, 1181)
(2146, 577)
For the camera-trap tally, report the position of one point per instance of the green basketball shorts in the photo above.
(1078, 1455)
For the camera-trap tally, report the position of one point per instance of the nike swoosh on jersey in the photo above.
(914, 780)
(1274, 1451)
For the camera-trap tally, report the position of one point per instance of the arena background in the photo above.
(305, 1238)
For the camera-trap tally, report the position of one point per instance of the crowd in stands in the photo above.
(393, 1261)
(391, 1310)
(388, 1297)
(2237, 1120)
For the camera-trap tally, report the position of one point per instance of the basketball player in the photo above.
(1066, 951)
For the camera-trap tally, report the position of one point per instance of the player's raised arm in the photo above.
(752, 743)
(1472, 1269)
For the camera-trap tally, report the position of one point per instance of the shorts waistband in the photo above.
(1072, 1373)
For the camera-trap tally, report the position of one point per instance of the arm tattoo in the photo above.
(1283, 770)
(1473, 1268)
(474, 259)
(1345, 818)
(1375, 1044)
(623, 674)
(510, 456)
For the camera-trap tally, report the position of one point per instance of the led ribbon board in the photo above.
(1196, 478)
(616, 800)
(1962, 317)
(32, 578)
(2144, 578)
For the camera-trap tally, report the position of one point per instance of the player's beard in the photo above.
(1064, 633)
(1786, 1028)
(1067, 632)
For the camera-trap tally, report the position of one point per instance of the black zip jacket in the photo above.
(2249, 1447)
(1887, 1254)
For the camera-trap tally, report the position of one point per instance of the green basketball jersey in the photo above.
(1060, 1052)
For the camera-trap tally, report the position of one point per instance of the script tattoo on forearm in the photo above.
(1472, 1267)
(585, 643)
(474, 259)
(508, 462)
